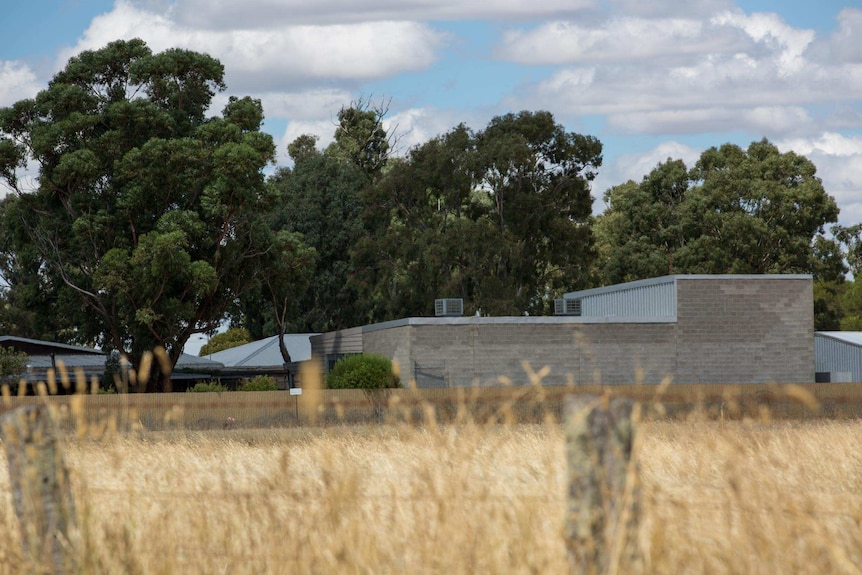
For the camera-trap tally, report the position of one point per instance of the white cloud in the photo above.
(650, 72)
(764, 120)
(828, 143)
(842, 178)
(282, 57)
(307, 105)
(663, 8)
(787, 43)
(620, 39)
(716, 92)
(261, 14)
(843, 44)
(17, 81)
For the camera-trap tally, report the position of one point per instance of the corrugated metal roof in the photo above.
(851, 337)
(653, 297)
(838, 353)
(679, 277)
(265, 352)
(189, 362)
(11, 340)
(71, 361)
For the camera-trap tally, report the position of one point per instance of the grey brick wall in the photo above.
(745, 330)
(482, 354)
(394, 343)
(728, 329)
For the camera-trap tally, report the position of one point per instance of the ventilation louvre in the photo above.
(449, 307)
(564, 306)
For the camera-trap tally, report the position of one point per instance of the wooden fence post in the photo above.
(601, 523)
(41, 491)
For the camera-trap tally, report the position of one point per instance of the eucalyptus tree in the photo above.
(500, 217)
(754, 210)
(144, 227)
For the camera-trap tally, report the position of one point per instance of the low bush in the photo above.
(208, 386)
(259, 383)
(363, 371)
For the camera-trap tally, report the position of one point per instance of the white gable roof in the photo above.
(265, 352)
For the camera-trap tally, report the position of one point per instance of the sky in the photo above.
(651, 80)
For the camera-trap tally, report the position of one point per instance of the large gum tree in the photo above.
(146, 223)
(748, 211)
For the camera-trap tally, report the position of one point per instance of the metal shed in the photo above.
(838, 356)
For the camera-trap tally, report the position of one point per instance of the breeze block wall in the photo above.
(723, 329)
(500, 351)
(745, 329)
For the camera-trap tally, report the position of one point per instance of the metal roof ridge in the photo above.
(272, 340)
(673, 278)
(83, 349)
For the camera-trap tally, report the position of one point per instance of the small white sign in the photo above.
(295, 391)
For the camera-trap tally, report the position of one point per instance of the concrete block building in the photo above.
(692, 328)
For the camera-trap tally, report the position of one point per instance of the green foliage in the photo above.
(113, 372)
(233, 337)
(320, 201)
(851, 238)
(150, 219)
(850, 305)
(828, 307)
(13, 365)
(361, 138)
(259, 383)
(363, 371)
(500, 218)
(207, 387)
(737, 211)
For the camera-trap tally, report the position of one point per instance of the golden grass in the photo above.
(737, 498)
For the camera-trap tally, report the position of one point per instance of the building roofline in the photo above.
(513, 320)
(852, 338)
(5, 339)
(681, 277)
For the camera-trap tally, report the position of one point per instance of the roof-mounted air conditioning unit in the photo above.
(449, 307)
(564, 306)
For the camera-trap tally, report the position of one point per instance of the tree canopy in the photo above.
(144, 227)
(153, 219)
(736, 211)
(499, 217)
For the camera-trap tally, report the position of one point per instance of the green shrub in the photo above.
(364, 371)
(234, 337)
(259, 383)
(208, 386)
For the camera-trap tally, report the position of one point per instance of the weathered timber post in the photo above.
(41, 492)
(601, 523)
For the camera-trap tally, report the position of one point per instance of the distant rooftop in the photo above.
(850, 337)
(265, 352)
(677, 277)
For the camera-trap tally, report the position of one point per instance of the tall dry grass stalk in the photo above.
(735, 498)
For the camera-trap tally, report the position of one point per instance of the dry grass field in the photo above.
(733, 497)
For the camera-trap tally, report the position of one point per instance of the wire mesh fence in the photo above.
(526, 404)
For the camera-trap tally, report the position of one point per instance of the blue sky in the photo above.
(651, 80)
